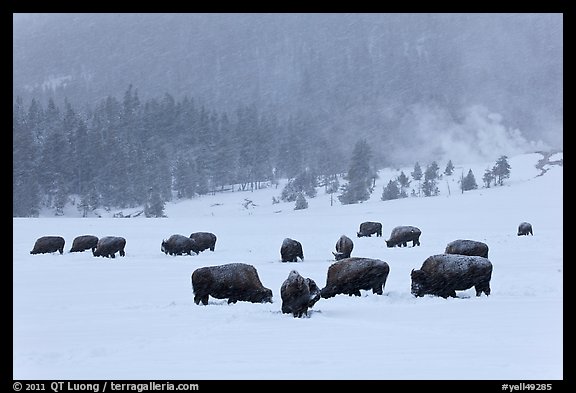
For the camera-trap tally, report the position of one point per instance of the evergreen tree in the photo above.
(469, 182)
(417, 172)
(404, 183)
(449, 168)
(155, 205)
(501, 170)
(430, 186)
(488, 178)
(360, 175)
(301, 202)
(391, 191)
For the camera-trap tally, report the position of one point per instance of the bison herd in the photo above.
(463, 265)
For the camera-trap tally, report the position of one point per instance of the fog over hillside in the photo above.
(417, 84)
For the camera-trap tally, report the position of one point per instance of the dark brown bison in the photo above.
(467, 247)
(401, 235)
(524, 229)
(204, 241)
(369, 228)
(348, 276)
(178, 245)
(47, 244)
(298, 294)
(444, 274)
(291, 250)
(108, 246)
(344, 247)
(233, 281)
(84, 242)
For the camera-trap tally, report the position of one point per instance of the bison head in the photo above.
(389, 243)
(263, 296)
(419, 282)
(163, 247)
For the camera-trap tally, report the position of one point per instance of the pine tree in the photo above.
(430, 186)
(488, 178)
(501, 170)
(469, 182)
(360, 175)
(391, 191)
(155, 205)
(449, 168)
(301, 202)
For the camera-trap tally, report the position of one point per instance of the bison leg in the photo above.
(113, 255)
(482, 287)
(212, 248)
(122, 253)
(415, 242)
(377, 290)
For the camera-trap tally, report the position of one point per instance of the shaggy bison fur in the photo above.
(204, 241)
(178, 245)
(369, 228)
(467, 247)
(233, 281)
(524, 229)
(444, 274)
(47, 244)
(298, 294)
(291, 250)
(108, 246)
(84, 242)
(401, 235)
(348, 276)
(344, 247)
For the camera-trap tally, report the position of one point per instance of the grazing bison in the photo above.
(401, 235)
(467, 247)
(110, 245)
(291, 250)
(369, 228)
(203, 240)
(178, 245)
(46, 244)
(298, 294)
(344, 247)
(525, 228)
(348, 276)
(444, 274)
(84, 242)
(233, 281)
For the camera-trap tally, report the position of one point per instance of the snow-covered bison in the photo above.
(467, 247)
(204, 241)
(84, 242)
(298, 294)
(401, 235)
(178, 245)
(444, 274)
(291, 250)
(47, 244)
(108, 246)
(233, 281)
(525, 228)
(369, 228)
(348, 276)
(344, 247)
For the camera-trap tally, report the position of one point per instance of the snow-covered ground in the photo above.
(80, 317)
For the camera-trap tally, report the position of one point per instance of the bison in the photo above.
(348, 276)
(233, 281)
(467, 247)
(298, 294)
(444, 274)
(369, 228)
(291, 250)
(178, 245)
(84, 242)
(204, 241)
(401, 235)
(344, 247)
(108, 246)
(524, 229)
(46, 244)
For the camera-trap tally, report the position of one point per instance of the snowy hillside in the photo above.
(80, 317)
